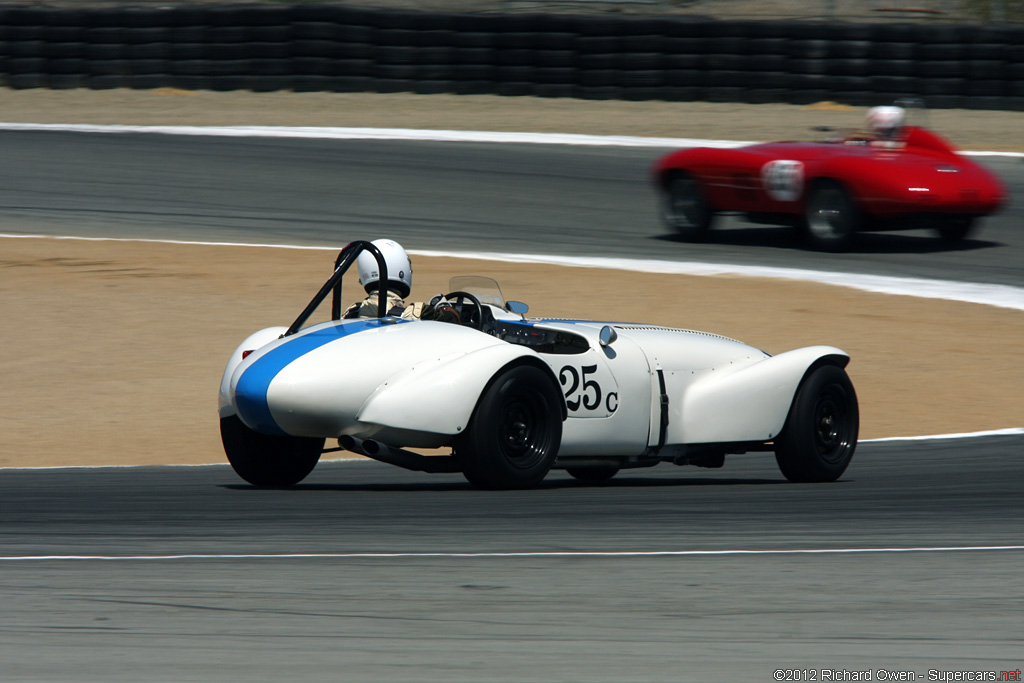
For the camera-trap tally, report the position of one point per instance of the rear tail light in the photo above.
(245, 354)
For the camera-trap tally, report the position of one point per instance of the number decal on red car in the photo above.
(783, 179)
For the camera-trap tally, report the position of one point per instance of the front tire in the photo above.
(268, 459)
(513, 437)
(684, 208)
(820, 435)
(831, 217)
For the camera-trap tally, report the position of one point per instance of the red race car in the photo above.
(891, 177)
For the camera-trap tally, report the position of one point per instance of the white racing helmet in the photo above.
(399, 268)
(886, 121)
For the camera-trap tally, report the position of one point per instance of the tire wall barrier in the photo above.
(341, 49)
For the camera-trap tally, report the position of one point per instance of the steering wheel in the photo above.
(470, 315)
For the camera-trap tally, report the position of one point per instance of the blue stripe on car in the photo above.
(251, 389)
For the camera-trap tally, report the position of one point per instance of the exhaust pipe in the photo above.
(351, 443)
(399, 457)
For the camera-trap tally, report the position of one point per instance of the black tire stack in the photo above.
(341, 49)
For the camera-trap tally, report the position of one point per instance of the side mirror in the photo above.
(607, 336)
(517, 307)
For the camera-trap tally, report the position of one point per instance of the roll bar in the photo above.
(346, 257)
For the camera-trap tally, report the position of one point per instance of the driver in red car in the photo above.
(399, 285)
(886, 126)
(884, 129)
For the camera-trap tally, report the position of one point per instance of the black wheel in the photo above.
(820, 435)
(514, 434)
(592, 475)
(267, 459)
(955, 228)
(684, 208)
(831, 216)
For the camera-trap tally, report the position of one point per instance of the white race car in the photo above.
(514, 397)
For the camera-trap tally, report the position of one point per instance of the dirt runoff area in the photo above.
(113, 351)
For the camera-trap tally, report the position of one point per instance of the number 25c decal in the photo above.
(585, 391)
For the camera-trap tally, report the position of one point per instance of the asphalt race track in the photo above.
(540, 199)
(911, 563)
(365, 572)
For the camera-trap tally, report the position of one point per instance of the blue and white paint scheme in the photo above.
(423, 378)
(622, 394)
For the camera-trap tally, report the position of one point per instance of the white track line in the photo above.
(397, 134)
(406, 134)
(1000, 296)
(539, 554)
(1013, 431)
(223, 463)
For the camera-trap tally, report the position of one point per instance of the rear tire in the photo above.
(684, 208)
(955, 228)
(820, 435)
(514, 434)
(592, 475)
(268, 459)
(831, 217)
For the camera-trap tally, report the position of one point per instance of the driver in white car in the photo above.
(399, 285)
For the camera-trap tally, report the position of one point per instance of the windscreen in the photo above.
(486, 289)
(916, 112)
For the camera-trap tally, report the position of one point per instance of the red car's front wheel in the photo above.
(684, 208)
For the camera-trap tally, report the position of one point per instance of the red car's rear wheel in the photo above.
(955, 228)
(831, 216)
